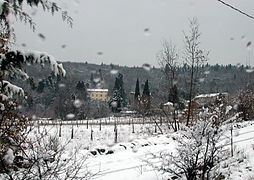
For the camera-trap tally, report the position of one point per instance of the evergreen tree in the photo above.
(81, 92)
(80, 86)
(146, 96)
(136, 95)
(146, 90)
(137, 91)
(117, 84)
(118, 98)
(115, 100)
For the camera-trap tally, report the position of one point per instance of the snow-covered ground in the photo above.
(126, 159)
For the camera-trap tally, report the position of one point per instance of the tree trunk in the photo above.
(190, 95)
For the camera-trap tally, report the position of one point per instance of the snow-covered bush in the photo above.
(245, 104)
(197, 151)
(47, 158)
(237, 167)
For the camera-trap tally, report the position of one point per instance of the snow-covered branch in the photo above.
(12, 62)
(10, 90)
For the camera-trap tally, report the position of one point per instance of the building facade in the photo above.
(98, 94)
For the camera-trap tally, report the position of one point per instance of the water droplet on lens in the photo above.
(36, 124)
(41, 36)
(207, 72)
(99, 86)
(76, 2)
(147, 32)
(249, 70)
(34, 117)
(146, 67)
(180, 115)
(135, 149)
(201, 80)
(110, 144)
(93, 72)
(70, 116)
(77, 103)
(114, 104)
(238, 65)
(61, 85)
(34, 12)
(248, 44)
(113, 71)
(96, 80)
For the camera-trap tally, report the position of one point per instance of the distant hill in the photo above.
(48, 92)
(213, 78)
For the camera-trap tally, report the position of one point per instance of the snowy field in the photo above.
(126, 159)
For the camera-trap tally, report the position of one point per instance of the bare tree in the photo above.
(195, 58)
(168, 60)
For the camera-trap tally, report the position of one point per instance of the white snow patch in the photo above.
(207, 95)
(2, 107)
(1, 6)
(168, 104)
(9, 156)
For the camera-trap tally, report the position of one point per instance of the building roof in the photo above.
(210, 95)
(168, 104)
(97, 90)
(207, 95)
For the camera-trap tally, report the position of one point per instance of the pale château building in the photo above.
(98, 94)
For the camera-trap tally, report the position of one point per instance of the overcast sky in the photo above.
(117, 29)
